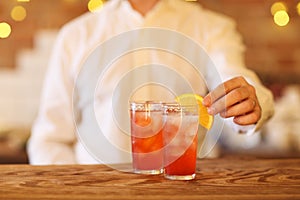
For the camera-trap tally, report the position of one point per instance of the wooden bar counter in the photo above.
(227, 177)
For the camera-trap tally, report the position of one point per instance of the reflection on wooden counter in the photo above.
(222, 178)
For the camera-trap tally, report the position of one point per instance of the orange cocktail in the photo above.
(146, 137)
(180, 140)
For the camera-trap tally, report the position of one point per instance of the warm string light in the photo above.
(280, 13)
(18, 13)
(5, 30)
(94, 5)
(278, 6)
(281, 18)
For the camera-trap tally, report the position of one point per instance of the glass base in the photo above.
(152, 171)
(180, 177)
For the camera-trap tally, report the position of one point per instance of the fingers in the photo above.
(235, 98)
(246, 106)
(224, 89)
(247, 119)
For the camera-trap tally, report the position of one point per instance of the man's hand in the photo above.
(234, 98)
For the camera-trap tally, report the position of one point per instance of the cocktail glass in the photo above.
(180, 141)
(146, 137)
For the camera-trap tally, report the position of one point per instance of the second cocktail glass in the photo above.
(146, 137)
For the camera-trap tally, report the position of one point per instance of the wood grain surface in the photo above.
(222, 178)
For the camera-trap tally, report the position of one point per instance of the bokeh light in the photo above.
(94, 5)
(298, 8)
(278, 6)
(18, 13)
(281, 18)
(5, 30)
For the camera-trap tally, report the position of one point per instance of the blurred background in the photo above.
(270, 29)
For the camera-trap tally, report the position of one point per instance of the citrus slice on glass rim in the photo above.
(205, 119)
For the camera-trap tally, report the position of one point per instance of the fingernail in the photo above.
(206, 101)
(210, 110)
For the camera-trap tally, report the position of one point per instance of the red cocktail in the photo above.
(146, 137)
(180, 140)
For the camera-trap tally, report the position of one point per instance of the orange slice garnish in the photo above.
(205, 119)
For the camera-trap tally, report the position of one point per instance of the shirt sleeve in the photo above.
(226, 49)
(53, 132)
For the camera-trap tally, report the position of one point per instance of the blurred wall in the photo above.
(272, 51)
(41, 14)
(25, 53)
(23, 60)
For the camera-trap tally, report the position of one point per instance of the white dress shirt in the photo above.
(53, 139)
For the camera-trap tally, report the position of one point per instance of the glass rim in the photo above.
(146, 105)
(180, 105)
(179, 108)
(146, 102)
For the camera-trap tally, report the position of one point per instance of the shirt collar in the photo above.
(128, 7)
